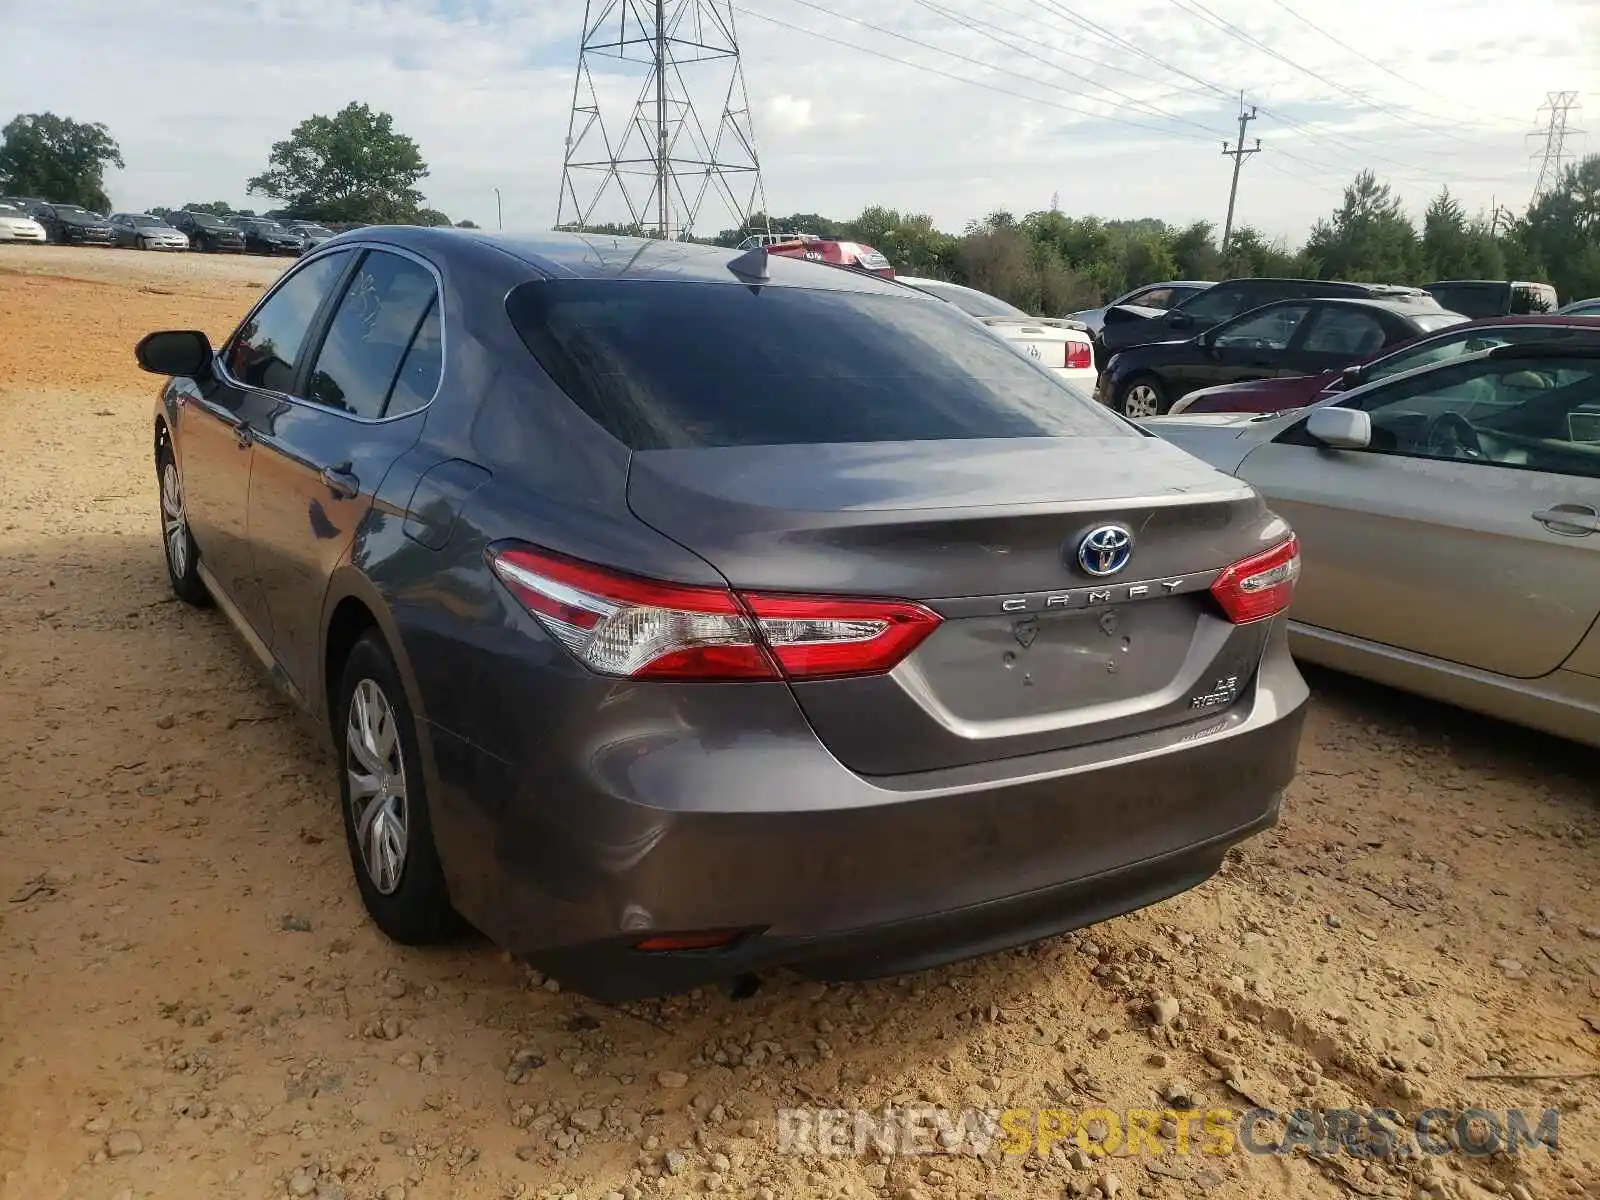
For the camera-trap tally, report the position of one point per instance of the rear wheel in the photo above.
(182, 555)
(1142, 396)
(386, 820)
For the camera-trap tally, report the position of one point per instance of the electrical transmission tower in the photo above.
(1238, 152)
(1559, 127)
(654, 162)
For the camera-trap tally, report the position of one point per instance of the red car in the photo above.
(830, 250)
(1276, 395)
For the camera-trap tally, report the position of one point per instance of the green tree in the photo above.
(57, 158)
(1561, 233)
(430, 216)
(1455, 246)
(351, 166)
(1368, 237)
(466, 225)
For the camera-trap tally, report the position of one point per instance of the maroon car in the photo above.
(1276, 395)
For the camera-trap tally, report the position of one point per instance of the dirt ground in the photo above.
(193, 1005)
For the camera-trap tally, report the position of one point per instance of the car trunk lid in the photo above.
(1034, 653)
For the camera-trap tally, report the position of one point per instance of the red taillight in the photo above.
(636, 628)
(1080, 355)
(1261, 585)
(710, 940)
(816, 638)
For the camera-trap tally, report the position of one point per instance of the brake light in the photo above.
(1261, 585)
(627, 626)
(1080, 356)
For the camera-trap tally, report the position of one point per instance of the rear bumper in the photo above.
(673, 817)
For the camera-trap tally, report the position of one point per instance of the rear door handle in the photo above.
(341, 481)
(1569, 520)
(242, 436)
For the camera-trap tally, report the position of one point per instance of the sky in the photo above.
(954, 108)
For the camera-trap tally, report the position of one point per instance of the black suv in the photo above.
(1133, 327)
(264, 236)
(65, 223)
(207, 232)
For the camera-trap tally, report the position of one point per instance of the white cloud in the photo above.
(788, 114)
(485, 86)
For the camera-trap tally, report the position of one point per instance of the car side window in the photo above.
(1155, 298)
(1273, 329)
(1466, 342)
(1218, 304)
(265, 352)
(1534, 413)
(1344, 331)
(376, 323)
(420, 370)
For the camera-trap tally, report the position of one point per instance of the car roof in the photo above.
(1584, 320)
(1398, 307)
(602, 256)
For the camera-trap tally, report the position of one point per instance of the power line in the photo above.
(978, 62)
(951, 75)
(1228, 27)
(973, 24)
(1367, 58)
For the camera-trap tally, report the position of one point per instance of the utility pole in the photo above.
(1560, 106)
(499, 212)
(1239, 152)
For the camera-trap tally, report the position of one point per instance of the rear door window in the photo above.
(667, 365)
(1344, 331)
(373, 327)
(1218, 304)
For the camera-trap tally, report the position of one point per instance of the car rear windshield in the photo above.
(668, 365)
(207, 221)
(1473, 300)
(974, 303)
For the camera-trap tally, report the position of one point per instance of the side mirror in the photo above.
(185, 352)
(1351, 377)
(1180, 320)
(1341, 428)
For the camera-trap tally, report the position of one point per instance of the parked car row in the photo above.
(29, 219)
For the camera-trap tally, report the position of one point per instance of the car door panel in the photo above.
(1482, 548)
(1236, 352)
(323, 455)
(1436, 556)
(316, 473)
(216, 459)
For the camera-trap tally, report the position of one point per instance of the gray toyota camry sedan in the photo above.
(679, 612)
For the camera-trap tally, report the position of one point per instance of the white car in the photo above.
(18, 226)
(1061, 344)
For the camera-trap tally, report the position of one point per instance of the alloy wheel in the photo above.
(1141, 401)
(375, 765)
(174, 524)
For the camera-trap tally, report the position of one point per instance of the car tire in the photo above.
(1142, 396)
(177, 543)
(390, 839)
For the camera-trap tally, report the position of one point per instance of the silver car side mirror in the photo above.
(1341, 428)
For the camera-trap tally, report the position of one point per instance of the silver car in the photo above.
(1449, 519)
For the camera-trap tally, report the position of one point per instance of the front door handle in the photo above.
(1570, 520)
(341, 481)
